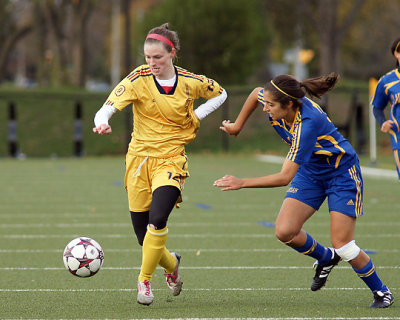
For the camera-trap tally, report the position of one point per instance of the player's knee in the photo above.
(284, 235)
(349, 251)
(157, 222)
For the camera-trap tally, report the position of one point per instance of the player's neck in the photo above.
(290, 117)
(168, 74)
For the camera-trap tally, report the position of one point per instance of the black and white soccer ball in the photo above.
(83, 257)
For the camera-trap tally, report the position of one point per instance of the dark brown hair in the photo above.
(285, 88)
(165, 32)
(395, 46)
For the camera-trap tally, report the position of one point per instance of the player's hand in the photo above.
(103, 129)
(228, 182)
(230, 128)
(387, 126)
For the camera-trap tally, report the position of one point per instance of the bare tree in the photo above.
(126, 4)
(330, 30)
(81, 12)
(68, 21)
(42, 56)
(56, 16)
(10, 44)
(16, 24)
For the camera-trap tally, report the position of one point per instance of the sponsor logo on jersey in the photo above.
(350, 203)
(293, 190)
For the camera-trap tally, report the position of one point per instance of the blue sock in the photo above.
(313, 249)
(370, 277)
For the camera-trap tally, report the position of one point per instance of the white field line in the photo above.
(119, 225)
(293, 318)
(189, 268)
(199, 250)
(194, 289)
(187, 235)
(140, 250)
(175, 225)
(39, 215)
(186, 289)
(366, 171)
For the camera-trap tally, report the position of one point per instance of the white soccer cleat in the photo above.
(174, 281)
(145, 295)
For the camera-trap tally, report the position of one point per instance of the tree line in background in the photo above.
(69, 42)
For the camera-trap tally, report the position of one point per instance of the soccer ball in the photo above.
(83, 257)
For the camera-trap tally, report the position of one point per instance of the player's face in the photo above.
(274, 108)
(397, 55)
(159, 60)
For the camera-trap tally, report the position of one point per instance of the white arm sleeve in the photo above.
(103, 115)
(211, 105)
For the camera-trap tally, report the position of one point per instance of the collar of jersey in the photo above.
(296, 117)
(161, 90)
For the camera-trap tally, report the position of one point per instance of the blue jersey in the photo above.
(315, 142)
(388, 90)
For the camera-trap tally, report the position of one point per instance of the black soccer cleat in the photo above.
(382, 299)
(322, 272)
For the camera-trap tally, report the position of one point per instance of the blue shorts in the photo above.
(344, 191)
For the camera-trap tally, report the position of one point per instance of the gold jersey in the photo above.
(162, 123)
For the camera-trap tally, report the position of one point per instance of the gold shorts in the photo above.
(145, 174)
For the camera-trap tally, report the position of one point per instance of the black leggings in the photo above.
(164, 199)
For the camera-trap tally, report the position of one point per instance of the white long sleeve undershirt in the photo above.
(103, 115)
(210, 105)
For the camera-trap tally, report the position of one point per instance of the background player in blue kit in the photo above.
(388, 91)
(320, 164)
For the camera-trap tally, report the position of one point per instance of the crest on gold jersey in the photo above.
(120, 90)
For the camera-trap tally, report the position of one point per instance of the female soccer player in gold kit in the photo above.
(165, 121)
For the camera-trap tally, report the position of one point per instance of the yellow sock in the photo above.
(153, 248)
(167, 261)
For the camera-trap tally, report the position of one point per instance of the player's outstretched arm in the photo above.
(234, 128)
(283, 178)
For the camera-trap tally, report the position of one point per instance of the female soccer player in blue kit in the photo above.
(320, 164)
(388, 91)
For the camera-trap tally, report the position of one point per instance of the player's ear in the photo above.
(173, 53)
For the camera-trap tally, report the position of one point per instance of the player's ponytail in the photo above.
(286, 88)
(316, 87)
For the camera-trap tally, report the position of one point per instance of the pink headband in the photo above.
(160, 38)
